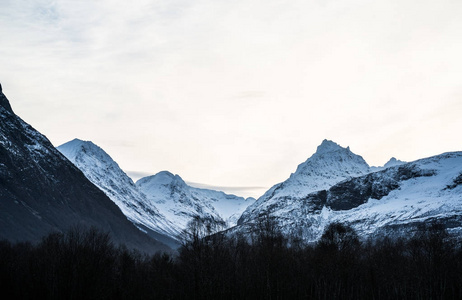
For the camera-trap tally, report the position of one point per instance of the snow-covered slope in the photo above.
(159, 204)
(329, 165)
(105, 173)
(180, 202)
(42, 192)
(391, 201)
(403, 196)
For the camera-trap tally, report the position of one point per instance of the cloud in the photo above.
(236, 91)
(250, 94)
(247, 191)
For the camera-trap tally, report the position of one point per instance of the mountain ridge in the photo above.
(181, 202)
(330, 164)
(392, 201)
(106, 174)
(41, 191)
(177, 200)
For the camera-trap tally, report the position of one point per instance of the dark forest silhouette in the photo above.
(85, 264)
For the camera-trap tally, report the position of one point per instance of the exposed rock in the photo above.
(352, 193)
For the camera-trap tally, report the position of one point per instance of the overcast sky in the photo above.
(237, 93)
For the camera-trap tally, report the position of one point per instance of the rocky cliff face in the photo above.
(41, 191)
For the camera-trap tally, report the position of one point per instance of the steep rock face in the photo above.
(41, 191)
(352, 193)
(180, 203)
(106, 174)
(393, 201)
(329, 165)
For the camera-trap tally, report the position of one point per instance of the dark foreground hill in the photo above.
(41, 191)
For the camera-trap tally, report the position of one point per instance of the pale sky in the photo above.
(235, 94)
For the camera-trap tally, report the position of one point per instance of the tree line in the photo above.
(85, 264)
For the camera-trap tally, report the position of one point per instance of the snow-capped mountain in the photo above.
(180, 203)
(392, 162)
(106, 174)
(401, 196)
(391, 201)
(42, 192)
(159, 204)
(329, 165)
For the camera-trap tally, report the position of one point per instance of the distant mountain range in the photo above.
(162, 204)
(333, 185)
(43, 190)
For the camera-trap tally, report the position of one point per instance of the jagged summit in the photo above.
(330, 159)
(393, 162)
(329, 165)
(328, 146)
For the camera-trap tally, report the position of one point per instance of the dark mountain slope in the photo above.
(41, 191)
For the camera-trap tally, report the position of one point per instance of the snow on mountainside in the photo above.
(391, 201)
(180, 202)
(425, 190)
(105, 173)
(42, 192)
(329, 165)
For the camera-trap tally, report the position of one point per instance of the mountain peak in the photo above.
(328, 146)
(77, 142)
(393, 162)
(165, 175)
(162, 178)
(74, 147)
(74, 143)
